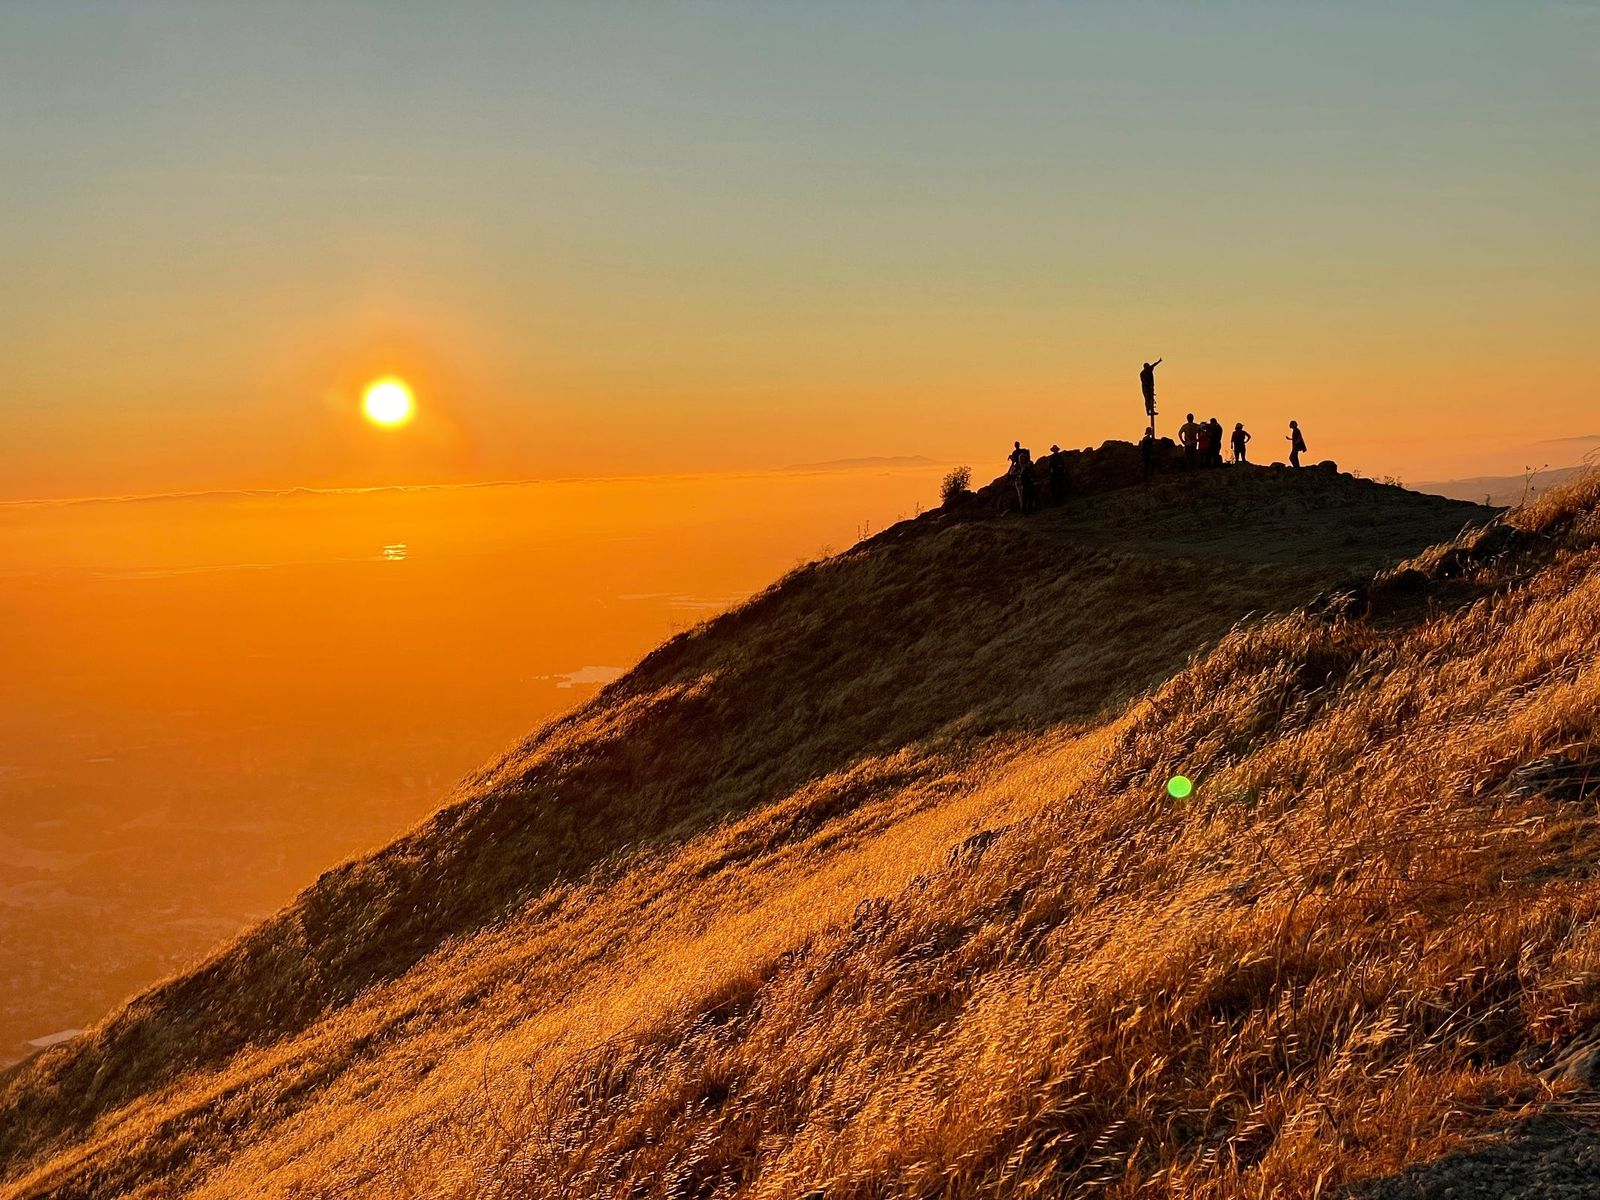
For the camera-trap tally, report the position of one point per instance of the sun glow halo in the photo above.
(388, 402)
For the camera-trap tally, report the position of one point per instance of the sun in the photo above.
(388, 402)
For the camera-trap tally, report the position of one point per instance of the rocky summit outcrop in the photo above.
(1111, 466)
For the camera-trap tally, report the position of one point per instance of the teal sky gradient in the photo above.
(618, 237)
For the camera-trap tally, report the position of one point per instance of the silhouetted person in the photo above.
(1215, 441)
(1057, 462)
(1147, 453)
(1240, 438)
(1147, 384)
(1027, 489)
(1189, 435)
(1297, 443)
(1022, 476)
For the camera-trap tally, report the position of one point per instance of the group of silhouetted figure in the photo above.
(1027, 486)
(1201, 441)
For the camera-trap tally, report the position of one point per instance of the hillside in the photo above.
(871, 887)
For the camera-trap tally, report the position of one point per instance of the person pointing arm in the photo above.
(1147, 384)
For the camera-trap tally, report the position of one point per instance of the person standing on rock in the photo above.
(1297, 444)
(1241, 437)
(1022, 476)
(1147, 385)
(1147, 453)
(1214, 442)
(1189, 435)
(1057, 463)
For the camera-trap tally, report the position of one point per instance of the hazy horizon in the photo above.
(283, 490)
(1502, 464)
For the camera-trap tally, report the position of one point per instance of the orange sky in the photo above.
(616, 240)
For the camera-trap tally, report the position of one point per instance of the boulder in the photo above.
(1579, 1063)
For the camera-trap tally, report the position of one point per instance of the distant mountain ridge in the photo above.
(852, 464)
(1503, 491)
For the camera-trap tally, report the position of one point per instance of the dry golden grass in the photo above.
(772, 958)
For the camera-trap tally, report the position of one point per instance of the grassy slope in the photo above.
(669, 880)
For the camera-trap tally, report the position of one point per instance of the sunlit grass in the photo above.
(1003, 961)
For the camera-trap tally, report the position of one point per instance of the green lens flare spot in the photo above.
(1179, 787)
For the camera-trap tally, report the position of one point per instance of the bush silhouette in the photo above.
(955, 484)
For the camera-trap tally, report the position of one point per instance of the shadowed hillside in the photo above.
(871, 886)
